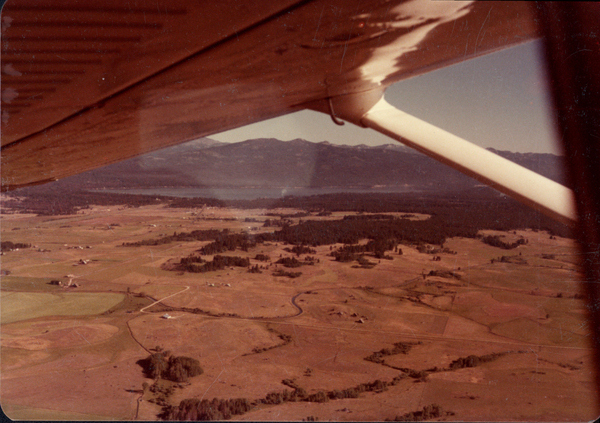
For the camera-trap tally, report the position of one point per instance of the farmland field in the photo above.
(75, 352)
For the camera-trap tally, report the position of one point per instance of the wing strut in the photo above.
(524, 185)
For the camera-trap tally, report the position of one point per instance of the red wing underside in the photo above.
(86, 84)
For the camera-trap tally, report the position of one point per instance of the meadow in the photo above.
(73, 353)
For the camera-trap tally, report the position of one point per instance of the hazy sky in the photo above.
(499, 100)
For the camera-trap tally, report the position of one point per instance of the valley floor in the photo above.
(72, 352)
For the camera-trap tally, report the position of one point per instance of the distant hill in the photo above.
(298, 163)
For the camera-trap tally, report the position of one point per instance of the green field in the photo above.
(17, 306)
(21, 412)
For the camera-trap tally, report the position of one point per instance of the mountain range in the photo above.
(272, 163)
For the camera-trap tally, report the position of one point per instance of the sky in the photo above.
(499, 100)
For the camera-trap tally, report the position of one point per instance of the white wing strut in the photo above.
(508, 177)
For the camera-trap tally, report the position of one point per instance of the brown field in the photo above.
(72, 353)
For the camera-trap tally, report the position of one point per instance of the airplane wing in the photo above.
(89, 83)
(86, 84)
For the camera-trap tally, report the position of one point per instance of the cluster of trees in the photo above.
(364, 263)
(432, 231)
(431, 411)
(288, 215)
(399, 348)
(474, 360)
(8, 245)
(222, 240)
(162, 391)
(274, 398)
(421, 375)
(185, 261)
(495, 241)
(299, 394)
(428, 249)
(195, 264)
(254, 269)
(300, 249)
(163, 365)
(509, 259)
(292, 262)
(346, 254)
(377, 247)
(231, 242)
(199, 235)
(281, 223)
(228, 242)
(194, 409)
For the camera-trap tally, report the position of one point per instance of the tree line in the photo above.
(476, 209)
(194, 409)
(377, 246)
(9, 245)
(198, 235)
(428, 412)
(495, 241)
(220, 409)
(196, 264)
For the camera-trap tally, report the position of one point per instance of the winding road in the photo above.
(295, 304)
